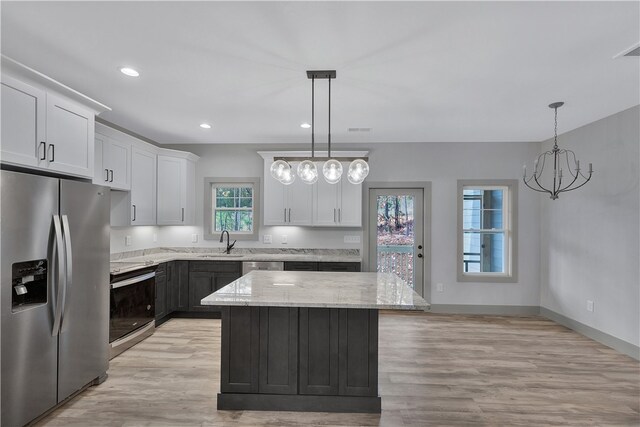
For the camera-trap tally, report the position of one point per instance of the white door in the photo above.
(23, 123)
(396, 230)
(143, 187)
(350, 206)
(70, 137)
(172, 187)
(118, 159)
(325, 200)
(273, 197)
(100, 170)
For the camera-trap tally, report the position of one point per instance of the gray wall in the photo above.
(590, 237)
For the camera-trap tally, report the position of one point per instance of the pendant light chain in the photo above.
(313, 114)
(555, 139)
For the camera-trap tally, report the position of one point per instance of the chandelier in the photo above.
(560, 157)
(332, 168)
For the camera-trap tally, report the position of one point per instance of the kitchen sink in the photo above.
(222, 255)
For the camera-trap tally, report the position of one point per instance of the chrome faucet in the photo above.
(229, 246)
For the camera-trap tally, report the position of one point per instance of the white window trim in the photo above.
(208, 232)
(510, 224)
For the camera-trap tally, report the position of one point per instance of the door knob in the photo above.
(419, 246)
(419, 255)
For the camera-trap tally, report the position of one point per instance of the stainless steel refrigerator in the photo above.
(54, 296)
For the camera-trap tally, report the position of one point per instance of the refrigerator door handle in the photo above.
(69, 267)
(60, 282)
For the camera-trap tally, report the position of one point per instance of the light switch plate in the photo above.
(589, 305)
(266, 238)
(155, 237)
(127, 240)
(194, 238)
(283, 239)
(440, 287)
(352, 239)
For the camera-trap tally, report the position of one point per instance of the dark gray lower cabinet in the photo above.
(321, 266)
(206, 277)
(178, 285)
(319, 351)
(278, 350)
(299, 359)
(161, 295)
(300, 266)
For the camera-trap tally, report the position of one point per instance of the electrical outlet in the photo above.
(194, 238)
(352, 239)
(589, 305)
(127, 240)
(440, 287)
(283, 239)
(155, 237)
(266, 238)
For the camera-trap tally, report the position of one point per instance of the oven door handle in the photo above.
(133, 280)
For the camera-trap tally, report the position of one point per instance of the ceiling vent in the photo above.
(358, 129)
(630, 51)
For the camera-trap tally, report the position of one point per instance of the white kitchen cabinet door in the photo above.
(350, 204)
(325, 212)
(190, 208)
(274, 209)
(143, 187)
(70, 137)
(172, 190)
(118, 160)
(23, 124)
(299, 197)
(100, 170)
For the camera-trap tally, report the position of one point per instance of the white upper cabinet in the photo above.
(337, 205)
(112, 162)
(176, 188)
(318, 205)
(46, 125)
(143, 186)
(70, 134)
(23, 124)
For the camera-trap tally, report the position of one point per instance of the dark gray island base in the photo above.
(299, 359)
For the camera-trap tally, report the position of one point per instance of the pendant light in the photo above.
(560, 158)
(332, 168)
(307, 170)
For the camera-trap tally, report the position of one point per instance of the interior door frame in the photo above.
(425, 186)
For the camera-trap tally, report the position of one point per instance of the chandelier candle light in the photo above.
(332, 168)
(560, 157)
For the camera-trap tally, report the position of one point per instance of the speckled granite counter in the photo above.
(319, 289)
(135, 260)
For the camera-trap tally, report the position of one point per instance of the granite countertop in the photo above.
(319, 289)
(123, 264)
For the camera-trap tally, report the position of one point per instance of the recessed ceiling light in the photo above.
(129, 72)
(205, 126)
(305, 125)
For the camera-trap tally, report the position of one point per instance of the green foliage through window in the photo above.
(233, 208)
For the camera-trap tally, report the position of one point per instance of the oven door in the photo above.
(132, 305)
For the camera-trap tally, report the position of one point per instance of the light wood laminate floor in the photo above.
(434, 370)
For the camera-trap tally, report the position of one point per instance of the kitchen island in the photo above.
(305, 341)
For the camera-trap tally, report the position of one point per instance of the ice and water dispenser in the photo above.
(29, 283)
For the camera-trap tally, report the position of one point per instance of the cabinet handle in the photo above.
(107, 178)
(182, 214)
(339, 214)
(334, 214)
(52, 150)
(134, 213)
(111, 175)
(289, 214)
(44, 152)
(285, 214)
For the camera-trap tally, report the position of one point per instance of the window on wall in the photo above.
(231, 204)
(486, 230)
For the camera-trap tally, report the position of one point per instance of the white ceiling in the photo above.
(414, 71)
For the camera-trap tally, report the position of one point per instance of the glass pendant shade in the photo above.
(358, 171)
(332, 171)
(279, 168)
(288, 177)
(308, 172)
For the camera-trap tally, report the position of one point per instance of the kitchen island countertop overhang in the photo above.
(305, 341)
